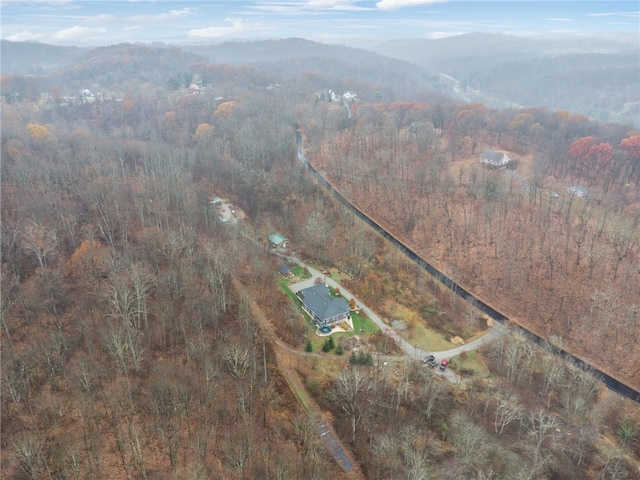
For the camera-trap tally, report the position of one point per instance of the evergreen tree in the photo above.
(368, 359)
(325, 346)
(309, 347)
(332, 345)
(361, 358)
(353, 360)
(339, 350)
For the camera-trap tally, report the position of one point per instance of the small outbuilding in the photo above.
(278, 241)
(285, 271)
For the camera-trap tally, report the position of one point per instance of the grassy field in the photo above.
(417, 332)
(469, 364)
(300, 274)
(423, 337)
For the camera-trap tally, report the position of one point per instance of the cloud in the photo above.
(556, 19)
(37, 2)
(79, 33)
(439, 35)
(169, 16)
(332, 5)
(614, 14)
(237, 26)
(308, 6)
(25, 36)
(101, 19)
(398, 4)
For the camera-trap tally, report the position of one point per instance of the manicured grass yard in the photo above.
(362, 323)
(359, 321)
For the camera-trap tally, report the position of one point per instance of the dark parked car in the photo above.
(443, 364)
(428, 359)
(433, 364)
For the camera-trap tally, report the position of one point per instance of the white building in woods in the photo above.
(494, 159)
(578, 191)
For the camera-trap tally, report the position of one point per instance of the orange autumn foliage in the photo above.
(87, 260)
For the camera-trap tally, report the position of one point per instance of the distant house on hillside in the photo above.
(349, 96)
(327, 95)
(494, 159)
(321, 306)
(278, 241)
(578, 191)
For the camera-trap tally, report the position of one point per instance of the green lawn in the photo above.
(359, 321)
(423, 337)
(300, 274)
(469, 364)
(363, 323)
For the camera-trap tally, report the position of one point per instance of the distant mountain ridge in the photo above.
(595, 76)
(33, 58)
(296, 56)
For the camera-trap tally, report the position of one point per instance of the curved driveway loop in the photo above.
(407, 348)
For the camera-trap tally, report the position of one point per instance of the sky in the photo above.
(349, 22)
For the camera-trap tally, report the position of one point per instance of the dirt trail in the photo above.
(284, 355)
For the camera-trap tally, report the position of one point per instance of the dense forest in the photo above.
(562, 265)
(144, 338)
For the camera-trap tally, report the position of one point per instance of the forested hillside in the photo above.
(144, 337)
(565, 267)
(33, 58)
(594, 76)
(347, 68)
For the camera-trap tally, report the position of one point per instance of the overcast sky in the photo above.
(102, 22)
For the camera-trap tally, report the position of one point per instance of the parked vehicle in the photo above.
(428, 359)
(443, 364)
(433, 364)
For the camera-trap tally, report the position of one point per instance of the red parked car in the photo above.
(443, 364)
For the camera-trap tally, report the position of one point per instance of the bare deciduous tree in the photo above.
(238, 360)
(508, 410)
(350, 391)
(40, 241)
(470, 441)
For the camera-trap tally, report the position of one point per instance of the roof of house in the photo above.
(284, 269)
(493, 156)
(318, 300)
(277, 239)
(577, 190)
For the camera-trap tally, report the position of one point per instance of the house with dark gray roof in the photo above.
(494, 159)
(321, 306)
